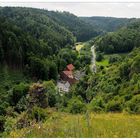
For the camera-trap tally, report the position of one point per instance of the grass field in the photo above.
(82, 126)
(79, 46)
(104, 62)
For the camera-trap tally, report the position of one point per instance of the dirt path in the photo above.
(93, 60)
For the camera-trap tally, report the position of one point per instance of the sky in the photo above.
(128, 9)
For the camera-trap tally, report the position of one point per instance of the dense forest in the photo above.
(121, 41)
(108, 24)
(35, 47)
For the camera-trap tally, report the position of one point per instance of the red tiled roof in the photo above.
(67, 72)
(70, 67)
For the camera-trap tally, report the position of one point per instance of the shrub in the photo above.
(3, 107)
(135, 67)
(19, 91)
(2, 122)
(97, 104)
(133, 106)
(114, 106)
(22, 105)
(99, 57)
(38, 114)
(50, 89)
(10, 123)
(124, 70)
(114, 58)
(75, 105)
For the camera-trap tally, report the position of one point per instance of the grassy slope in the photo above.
(86, 125)
(105, 61)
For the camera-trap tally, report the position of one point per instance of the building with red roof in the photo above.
(67, 74)
(70, 67)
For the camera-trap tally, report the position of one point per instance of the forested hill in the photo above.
(107, 24)
(39, 21)
(82, 30)
(123, 40)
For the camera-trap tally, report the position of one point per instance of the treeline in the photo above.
(30, 41)
(50, 25)
(82, 30)
(108, 24)
(121, 41)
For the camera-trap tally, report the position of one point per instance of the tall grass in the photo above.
(83, 126)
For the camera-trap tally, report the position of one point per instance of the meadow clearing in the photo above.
(111, 125)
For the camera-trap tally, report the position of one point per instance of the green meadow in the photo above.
(110, 125)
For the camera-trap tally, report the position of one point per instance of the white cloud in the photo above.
(87, 9)
(130, 5)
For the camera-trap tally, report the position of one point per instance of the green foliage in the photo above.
(75, 105)
(125, 70)
(51, 93)
(99, 57)
(38, 114)
(114, 106)
(3, 107)
(38, 68)
(123, 40)
(42, 69)
(135, 67)
(41, 44)
(19, 91)
(133, 106)
(78, 27)
(114, 58)
(97, 104)
(107, 24)
(9, 125)
(113, 85)
(22, 104)
(2, 122)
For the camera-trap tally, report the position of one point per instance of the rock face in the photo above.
(38, 95)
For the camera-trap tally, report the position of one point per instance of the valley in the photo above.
(67, 76)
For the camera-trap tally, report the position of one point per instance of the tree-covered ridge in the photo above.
(82, 30)
(38, 22)
(123, 40)
(30, 41)
(39, 25)
(107, 24)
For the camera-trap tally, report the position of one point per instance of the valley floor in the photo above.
(111, 125)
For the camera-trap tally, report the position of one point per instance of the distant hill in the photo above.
(81, 29)
(120, 41)
(107, 24)
(31, 17)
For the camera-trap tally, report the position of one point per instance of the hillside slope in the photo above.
(116, 86)
(41, 18)
(107, 24)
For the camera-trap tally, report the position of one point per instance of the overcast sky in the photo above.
(87, 9)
